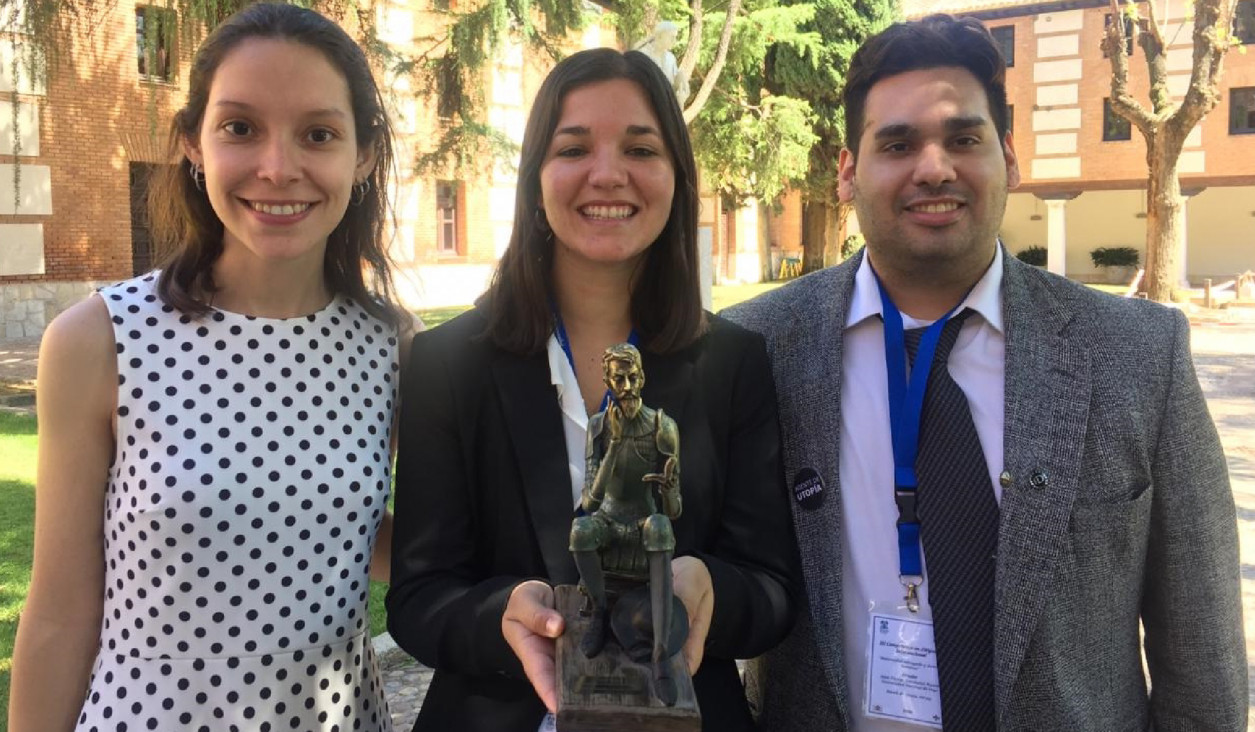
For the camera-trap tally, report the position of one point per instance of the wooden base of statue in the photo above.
(610, 692)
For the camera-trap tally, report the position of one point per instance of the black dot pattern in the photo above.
(250, 476)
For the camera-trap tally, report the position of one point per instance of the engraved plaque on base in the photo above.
(610, 692)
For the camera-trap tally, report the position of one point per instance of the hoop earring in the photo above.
(198, 175)
(359, 191)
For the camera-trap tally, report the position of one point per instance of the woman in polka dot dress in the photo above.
(496, 415)
(215, 437)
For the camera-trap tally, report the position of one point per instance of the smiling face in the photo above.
(607, 180)
(930, 178)
(279, 151)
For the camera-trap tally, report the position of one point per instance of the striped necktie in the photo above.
(958, 517)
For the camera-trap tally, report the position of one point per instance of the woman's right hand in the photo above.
(530, 624)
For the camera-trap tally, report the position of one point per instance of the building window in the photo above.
(448, 90)
(1128, 34)
(1244, 21)
(154, 42)
(447, 217)
(1114, 127)
(1242, 110)
(1004, 36)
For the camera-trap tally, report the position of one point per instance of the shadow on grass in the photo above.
(12, 423)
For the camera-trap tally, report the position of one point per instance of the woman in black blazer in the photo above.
(604, 249)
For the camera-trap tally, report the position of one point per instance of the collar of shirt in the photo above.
(985, 298)
(562, 376)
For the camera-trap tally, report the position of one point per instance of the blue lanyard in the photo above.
(906, 406)
(559, 332)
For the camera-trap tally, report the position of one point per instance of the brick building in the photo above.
(89, 133)
(1084, 170)
(93, 127)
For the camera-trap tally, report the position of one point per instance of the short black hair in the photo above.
(933, 42)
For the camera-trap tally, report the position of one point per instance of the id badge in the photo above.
(902, 682)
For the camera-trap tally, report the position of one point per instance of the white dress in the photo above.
(250, 476)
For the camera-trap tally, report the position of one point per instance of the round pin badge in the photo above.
(808, 489)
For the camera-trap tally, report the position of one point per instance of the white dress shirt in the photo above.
(869, 539)
(575, 432)
(574, 417)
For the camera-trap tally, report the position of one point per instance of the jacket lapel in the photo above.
(1046, 409)
(807, 369)
(534, 422)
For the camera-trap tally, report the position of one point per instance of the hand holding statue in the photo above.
(529, 625)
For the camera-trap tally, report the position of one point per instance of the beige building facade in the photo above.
(1084, 170)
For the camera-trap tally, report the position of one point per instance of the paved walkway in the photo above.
(1224, 353)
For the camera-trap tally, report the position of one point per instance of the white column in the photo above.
(748, 262)
(1056, 235)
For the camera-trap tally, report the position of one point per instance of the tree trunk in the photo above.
(1165, 224)
(814, 235)
(764, 242)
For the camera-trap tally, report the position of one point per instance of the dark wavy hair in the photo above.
(666, 304)
(184, 224)
(932, 42)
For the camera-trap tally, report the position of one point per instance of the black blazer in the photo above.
(483, 502)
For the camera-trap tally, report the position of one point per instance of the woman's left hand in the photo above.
(692, 584)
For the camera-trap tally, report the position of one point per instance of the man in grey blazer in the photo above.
(1115, 527)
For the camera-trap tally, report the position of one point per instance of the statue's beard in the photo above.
(629, 405)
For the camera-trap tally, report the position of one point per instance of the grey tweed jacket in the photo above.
(1118, 517)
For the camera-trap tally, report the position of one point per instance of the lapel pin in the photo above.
(1039, 479)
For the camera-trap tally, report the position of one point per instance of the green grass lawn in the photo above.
(17, 516)
(435, 316)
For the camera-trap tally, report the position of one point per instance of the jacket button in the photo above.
(1005, 479)
(1039, 479)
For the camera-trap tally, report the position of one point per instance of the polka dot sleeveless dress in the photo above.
(250, 476)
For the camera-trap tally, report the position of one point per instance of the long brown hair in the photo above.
(184, 223)
(666, 304)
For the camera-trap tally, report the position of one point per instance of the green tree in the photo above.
(752, 143)
(817, 73)
(449, 63)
